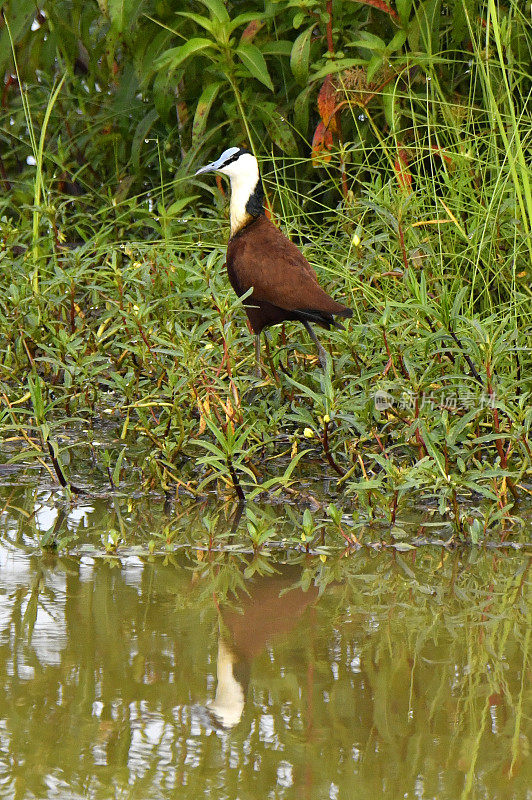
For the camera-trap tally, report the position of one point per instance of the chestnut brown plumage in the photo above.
(260, 257)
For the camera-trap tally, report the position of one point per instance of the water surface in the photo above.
(375, 676)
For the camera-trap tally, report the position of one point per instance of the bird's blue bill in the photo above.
(223, 159)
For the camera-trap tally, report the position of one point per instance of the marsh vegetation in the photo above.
(393, 145)
(341, 633)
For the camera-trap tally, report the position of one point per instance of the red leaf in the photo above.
(382, 6)
(400, 165)
(327, 103)
(441, 154)
(322, 143)
(251, 30)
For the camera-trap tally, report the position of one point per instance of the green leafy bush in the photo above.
(394, 145)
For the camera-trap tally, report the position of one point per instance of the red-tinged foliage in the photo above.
(322, 144)
(400, 166)
(382, 6)
(251, 30)
(441, 153)
(327, 103)
(322, 141)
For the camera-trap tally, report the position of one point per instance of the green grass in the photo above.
(118, 308)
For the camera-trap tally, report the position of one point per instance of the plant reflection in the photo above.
(218, 676)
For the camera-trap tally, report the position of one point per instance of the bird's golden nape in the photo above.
(260, 257)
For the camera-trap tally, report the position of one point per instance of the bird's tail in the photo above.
(345, 312)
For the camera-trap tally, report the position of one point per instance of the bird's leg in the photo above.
(258, 366)
(283, 339)
(322, 355)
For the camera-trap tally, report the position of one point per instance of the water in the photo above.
(380, 675)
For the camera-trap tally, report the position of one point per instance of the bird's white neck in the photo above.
(243, 185)
(228, 703)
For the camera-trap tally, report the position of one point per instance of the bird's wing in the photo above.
(262, 257)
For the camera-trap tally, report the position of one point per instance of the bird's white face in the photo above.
(234, 163)
(242, 169)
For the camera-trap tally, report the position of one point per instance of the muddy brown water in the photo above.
(380, 675)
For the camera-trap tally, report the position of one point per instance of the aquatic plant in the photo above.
(401, 173)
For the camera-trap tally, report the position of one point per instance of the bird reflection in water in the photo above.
(270, 609)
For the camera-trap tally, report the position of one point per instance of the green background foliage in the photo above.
(394, 145)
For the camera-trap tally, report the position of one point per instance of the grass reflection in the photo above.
(383, 675)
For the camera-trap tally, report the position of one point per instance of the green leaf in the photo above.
(308, 522)
(369, 42)
(459, 427)
(403, 9)
(430, 30)
(178, 205)
(431, 448)
(485, 491)
(375, 63)
(299, 56)
(281, 133)
(458, 302)
(243, 19)
(302, 110)
(337, 66)
(281, 48)
(212, 449)
(163, 96)
(318, 399)
(140, 134)
(18, 22)
(217, 9)
(118, 466)
(203, 22)
(176, 55)
(388, 102)
(254, 62)
(203, 108)
(123, 13)
(475, 531)
(149, 47)
(424, 29)
(397, 42)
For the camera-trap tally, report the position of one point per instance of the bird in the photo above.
(262, 259)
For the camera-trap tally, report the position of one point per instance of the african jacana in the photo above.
(259, 256)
